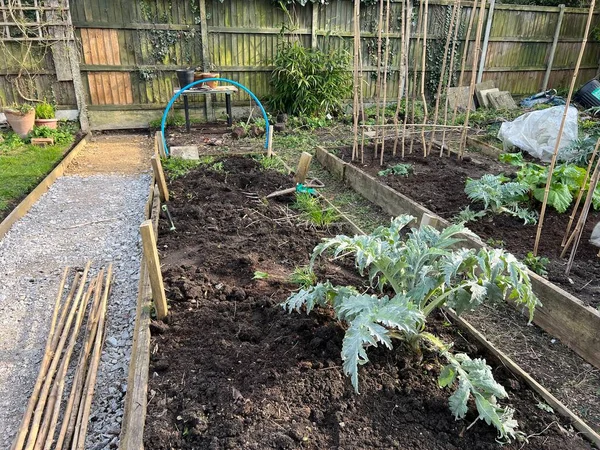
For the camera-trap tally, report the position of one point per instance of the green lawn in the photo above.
(22, 168)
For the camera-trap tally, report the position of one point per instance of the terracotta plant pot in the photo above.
(204, 76)
(50, 123)
(22, 124)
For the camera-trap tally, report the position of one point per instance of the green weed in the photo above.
(312, 210)
(303, 277)
(537, 264)
(178, 167)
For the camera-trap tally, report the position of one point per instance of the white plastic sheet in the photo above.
(595, 238)
(536, 132)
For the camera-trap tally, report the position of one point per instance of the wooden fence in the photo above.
(129, 49)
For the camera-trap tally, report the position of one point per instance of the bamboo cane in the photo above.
(65, 309)
(70, 414)
(464, 56)
(378, 82)
(362, 100)
(450, 76)
(423, 71)
(584, 213)
(463, 138)
(414, 86)
(86, 401)
(48, 427)
(39, 410)
(574, 234)
(579, 196)
(443, 72)
(562, 127)
(401, 74)
(386, 59)
(356, 79)
(48, 352)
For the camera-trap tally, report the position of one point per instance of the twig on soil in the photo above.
(537, 434)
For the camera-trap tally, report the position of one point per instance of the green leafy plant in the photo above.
(403, 170)
(466, 215)
(178, 167)
(218, 167)
(515, 159)
(44, 110)
(309, 82)
(496, 243)
(313, 211)
(424, 273)
(21, 109)
(303, 276)
(173, 120)
(537, 264)
(500, 196)
(258, 275)
(271, 163)
(59, 135)
(11, 141)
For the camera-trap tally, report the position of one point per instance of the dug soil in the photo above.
(439, 183)
(232, 370)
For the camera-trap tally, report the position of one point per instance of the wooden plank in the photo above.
(134, 416)
(556, 404)
(23, 207)
(159, 145)
(159, 174)
(153, 265)
(303, 166)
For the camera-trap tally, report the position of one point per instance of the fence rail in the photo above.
(130, 49)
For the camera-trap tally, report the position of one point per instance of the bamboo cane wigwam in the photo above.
(42, 417)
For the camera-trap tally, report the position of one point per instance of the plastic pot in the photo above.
(50, 123)
(185, 77)
(22, 124)
(588, 95)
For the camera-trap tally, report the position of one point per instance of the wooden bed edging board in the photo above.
(562, 314)
(41, 188)
(556, 404)
(136, 398)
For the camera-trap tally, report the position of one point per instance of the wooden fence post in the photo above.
(486, 39)
(159, 176)
(314, 25)
(561, 14)
(303, 166)
(153, 264)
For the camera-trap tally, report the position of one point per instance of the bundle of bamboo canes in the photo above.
(41, 419)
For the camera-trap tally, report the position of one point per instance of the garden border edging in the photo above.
(25, 205)
(562, 314)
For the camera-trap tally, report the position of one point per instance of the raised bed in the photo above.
(25, 205)
(562, 314)
(232, 370)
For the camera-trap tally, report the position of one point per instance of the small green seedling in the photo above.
(537, 264)
(258, 275)
(495, 243)
(303, 277)
(403, 170)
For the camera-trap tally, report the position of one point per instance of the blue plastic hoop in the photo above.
(235, 83)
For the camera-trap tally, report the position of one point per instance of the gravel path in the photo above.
(55, 233)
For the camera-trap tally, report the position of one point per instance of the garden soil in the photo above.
(232, 370)
(439, 183)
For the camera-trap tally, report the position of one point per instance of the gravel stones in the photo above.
(78, 219)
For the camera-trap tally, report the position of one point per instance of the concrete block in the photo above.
(502, 100)
(459, 96)
(482, 97)
(484, 85)
(185, 152)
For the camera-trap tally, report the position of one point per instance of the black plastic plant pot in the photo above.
(185, 77)
(588, 95)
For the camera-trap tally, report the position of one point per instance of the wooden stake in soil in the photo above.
(423, 71)
(48, 353)
(378, 82)
(401, 73)
(39, 410)
(90, 383)
(464, 56)
(414, 86)
(386, 60)
(463, 139)
(579, 196)
(450, 76)
(270, 144)
(562, 127)
(355, 97)
(156, 281)
(160, 178)
(303, 166)
(442, 74)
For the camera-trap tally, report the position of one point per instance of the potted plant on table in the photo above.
(20, 118)
(204, 75)
(45, 116)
